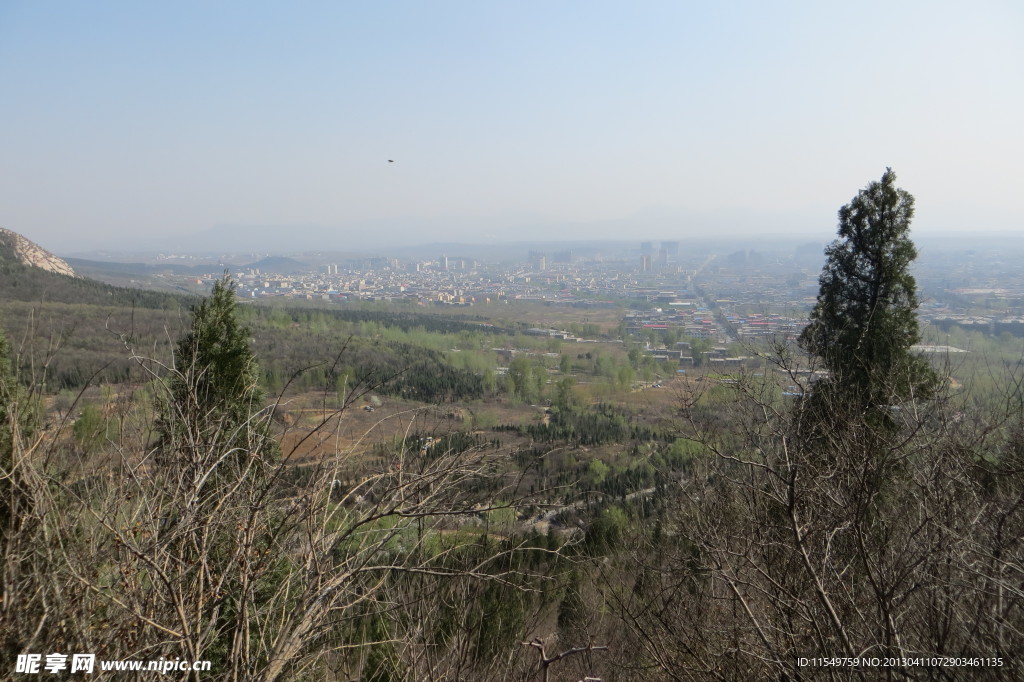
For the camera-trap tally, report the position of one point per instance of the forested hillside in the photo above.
(19, 282)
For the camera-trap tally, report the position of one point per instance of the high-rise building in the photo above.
(646, 256)
(670, 253)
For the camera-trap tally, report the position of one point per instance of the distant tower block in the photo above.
(671, 252)
(444, 262)
(647, 248)
(538, 260)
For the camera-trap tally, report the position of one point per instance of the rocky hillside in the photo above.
(30, 273)
(27, 252)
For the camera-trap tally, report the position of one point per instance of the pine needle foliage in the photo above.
(865, 320)
(214, 390)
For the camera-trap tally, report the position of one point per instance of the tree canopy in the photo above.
(214, 390)
(8, 427)
(865, 320)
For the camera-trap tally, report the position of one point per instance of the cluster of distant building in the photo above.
(739, 296)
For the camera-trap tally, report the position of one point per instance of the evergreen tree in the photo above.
(214, 391)
(8, 388)
(8, 424)
(865, 319)
(18, 420)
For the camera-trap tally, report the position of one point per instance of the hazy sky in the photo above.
(129, 121)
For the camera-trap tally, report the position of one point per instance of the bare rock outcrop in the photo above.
(28, 252)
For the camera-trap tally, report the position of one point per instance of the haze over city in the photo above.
(343, 125)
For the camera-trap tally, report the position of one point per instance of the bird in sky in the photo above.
(391, 160)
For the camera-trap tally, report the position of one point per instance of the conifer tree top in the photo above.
(214, 390)
(865, 320)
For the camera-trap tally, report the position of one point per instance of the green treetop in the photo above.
(17, 422)
(865, 319)
(214, 393)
